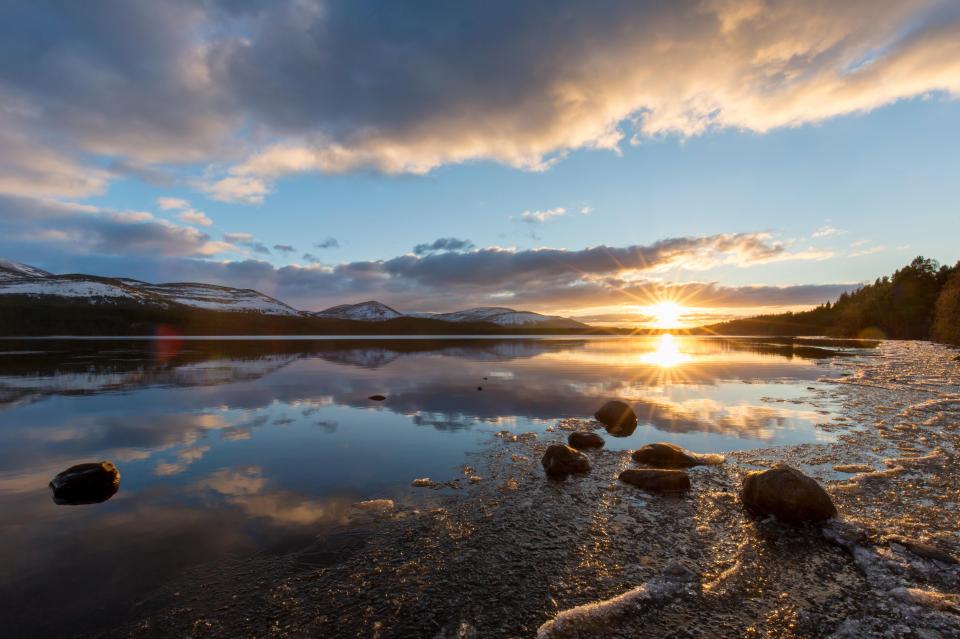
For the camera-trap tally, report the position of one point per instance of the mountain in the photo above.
(35, 302)
(13, 270)
(363, 312)
(376, 312)
(502, 316)
(20, 279)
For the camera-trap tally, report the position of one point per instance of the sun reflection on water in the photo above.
(667, 353)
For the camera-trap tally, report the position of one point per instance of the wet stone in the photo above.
(667, 455)
(585, 439)
(656, 480)
(560, 460)
(618, 417)
(89, 483)
(786, 493)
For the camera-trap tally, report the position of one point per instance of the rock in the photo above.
(422, 482)
(563, 460)
(584, 439)
(667, 455)
(925, 550)
(618, 417)
(786, 493)
(90, 483)
(656, 479)
(376, 398)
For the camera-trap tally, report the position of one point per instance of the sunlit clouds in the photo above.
(253, 92)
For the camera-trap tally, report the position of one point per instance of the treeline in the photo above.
(919, 301)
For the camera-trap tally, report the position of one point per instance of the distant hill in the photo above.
(34, 302)
(375, 312)
(919, 301)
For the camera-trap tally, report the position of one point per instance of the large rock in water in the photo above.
(585, 439)
(618, 417)
(667, 455)
(560, 460)
(656, 480)
(786, 493)
(90, 483)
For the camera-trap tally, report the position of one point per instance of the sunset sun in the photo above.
(666, 314)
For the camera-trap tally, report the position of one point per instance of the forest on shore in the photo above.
(919, 301)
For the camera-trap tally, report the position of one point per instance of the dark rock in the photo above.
(618, 417)
(656, 479)
(90, 483)
(667, 455)
(479, 387)
(377, 398)
(562, 460)
(585, 439)
(786, 493)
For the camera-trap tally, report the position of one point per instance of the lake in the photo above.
(232, 448)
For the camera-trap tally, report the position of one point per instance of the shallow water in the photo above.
(233, 449)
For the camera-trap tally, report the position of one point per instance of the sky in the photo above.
(582, 159)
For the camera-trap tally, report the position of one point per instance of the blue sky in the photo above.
(815, 155)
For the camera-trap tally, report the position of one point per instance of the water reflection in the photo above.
(667, 353)
(229, 448)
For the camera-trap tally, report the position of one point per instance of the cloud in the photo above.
(827, 231)
(539, 217)
(870, 250)
(187, 213)
(555, 77)
(172, 203)
(246, 240)
(257, 91)
(284, 248)
(75, 228)
(191, 216)
(443, 244)
(543, 279)
(330, 242)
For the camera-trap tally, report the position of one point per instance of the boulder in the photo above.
(89, 483)
(560, 460)
(618, 417)
(786, 493)
(656, 479)
(667, 455)
(585, 439)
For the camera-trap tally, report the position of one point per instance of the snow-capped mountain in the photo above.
(370, 311)
(14, 270)
(20, 279)
(506, 317)
(376, 312)
(221, 298)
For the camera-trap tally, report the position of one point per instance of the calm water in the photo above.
(229, 448)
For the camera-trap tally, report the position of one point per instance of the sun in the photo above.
(666, 314)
